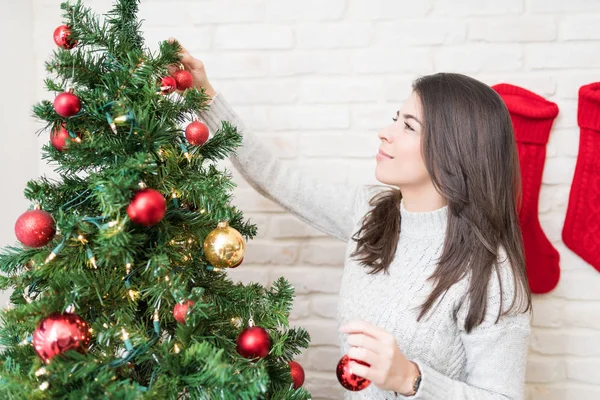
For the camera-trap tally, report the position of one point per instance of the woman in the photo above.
(434, 295)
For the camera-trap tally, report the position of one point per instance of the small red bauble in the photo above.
(35, 228)
(62, 37)
(254, 342)
(297, 373)
(58, 138)
(148, 207)
(183, 78)
(180, 311)
(348, 379)
(168, 84)
(59, 333)
(196, 133)
(67, 104)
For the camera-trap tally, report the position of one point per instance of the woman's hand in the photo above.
(389, 369)
(196, 68)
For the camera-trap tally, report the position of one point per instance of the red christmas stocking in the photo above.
(581, 232)
(532, 117)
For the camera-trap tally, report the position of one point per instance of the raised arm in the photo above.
(326, 206)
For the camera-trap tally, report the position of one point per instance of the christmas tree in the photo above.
(120, 286)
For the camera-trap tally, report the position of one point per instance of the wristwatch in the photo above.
(416, 382)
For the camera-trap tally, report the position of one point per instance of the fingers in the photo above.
(360, 370)
(186, 59)
(173, 40)
(184, 53)
(364, 341)
(172, 68)
(363, 354)
(364, 327)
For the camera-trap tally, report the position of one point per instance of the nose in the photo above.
(385, 134)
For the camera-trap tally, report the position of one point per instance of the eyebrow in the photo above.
(409, 116)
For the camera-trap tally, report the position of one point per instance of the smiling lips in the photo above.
(382, 155)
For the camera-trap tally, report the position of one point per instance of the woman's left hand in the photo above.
(388, 368)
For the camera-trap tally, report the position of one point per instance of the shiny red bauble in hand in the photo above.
(297, 374)
(254, 342)
(196, 133)
(183, 78)
(59, 333)
(168, 84)
(180, 311)
(58, 138)
(347, 378)
(148, 207)
(67, 104)
(35, 228)
(62, 37)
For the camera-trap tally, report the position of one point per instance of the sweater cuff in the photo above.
(219, 110)
(531, 114)
(588, 111)
(431, 386)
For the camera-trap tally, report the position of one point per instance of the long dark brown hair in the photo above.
(469, 150)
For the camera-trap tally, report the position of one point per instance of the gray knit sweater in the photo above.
(488, 363)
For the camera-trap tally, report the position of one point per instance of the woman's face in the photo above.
(403, 166)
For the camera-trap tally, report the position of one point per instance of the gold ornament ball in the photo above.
(224, 247)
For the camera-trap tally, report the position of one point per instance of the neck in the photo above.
(423, 224)
(424, 200)
(423, 216)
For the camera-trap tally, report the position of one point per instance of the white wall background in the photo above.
(317, 79)
(18, 146)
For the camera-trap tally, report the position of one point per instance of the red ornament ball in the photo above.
(58, 138)
(148, 207)
(180, 311)
(35, 228)
(62, 37)
(183, 78)
(67, 104)
(168, 84)
(59, 333)
(196, 133)
(297, 374)
(348, 379)
(254, 342)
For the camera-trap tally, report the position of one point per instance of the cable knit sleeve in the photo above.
(326, 206)
(496, 353)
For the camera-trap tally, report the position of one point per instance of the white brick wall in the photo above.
(19, 154)
(318, 78)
